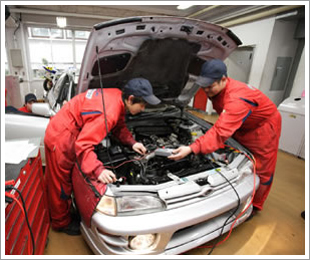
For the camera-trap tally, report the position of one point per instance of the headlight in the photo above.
(107, 205)
(135, 205)
(129, 205)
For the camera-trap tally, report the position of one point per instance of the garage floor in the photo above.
(278, 230)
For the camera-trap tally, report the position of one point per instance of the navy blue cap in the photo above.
(30, 97)
(211, 71)
(140, 87)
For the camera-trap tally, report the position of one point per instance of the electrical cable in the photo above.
(132, 160)
(236, 209)
(23, 209)
(19, 22)
(13, 198)
(252, 159)
(103, 104)
(241, 213)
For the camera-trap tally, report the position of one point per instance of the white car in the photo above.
(159, 206)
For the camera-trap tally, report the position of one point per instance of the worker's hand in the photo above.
(139, 148)
(180, 153)
(106, 176)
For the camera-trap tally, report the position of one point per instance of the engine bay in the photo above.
(160, 136)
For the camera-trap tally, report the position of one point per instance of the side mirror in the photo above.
(42, 109)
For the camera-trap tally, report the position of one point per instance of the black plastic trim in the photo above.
(234, 37)
(100, 26)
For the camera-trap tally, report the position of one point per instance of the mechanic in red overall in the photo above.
(29, 100)
(74, 131)
(246, 114)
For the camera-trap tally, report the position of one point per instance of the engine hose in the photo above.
(142, 172)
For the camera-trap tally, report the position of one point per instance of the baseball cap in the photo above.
(211, 71)
(30, 97)
(140, 87)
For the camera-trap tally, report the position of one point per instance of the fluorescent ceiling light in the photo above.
(183, 6)
(61, 22)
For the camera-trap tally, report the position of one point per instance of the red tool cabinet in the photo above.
(28, 176)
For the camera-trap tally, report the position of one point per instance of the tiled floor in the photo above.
(277, 230)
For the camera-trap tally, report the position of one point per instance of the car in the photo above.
(20, 125)
(34, 124)
(62, 91)
(159, 206)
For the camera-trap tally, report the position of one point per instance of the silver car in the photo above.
(160, 206)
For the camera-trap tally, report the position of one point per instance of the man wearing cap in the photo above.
(74, 131)
(29, 100)
(246, 114)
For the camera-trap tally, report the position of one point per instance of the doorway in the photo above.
(239, 63)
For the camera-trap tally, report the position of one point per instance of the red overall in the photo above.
(24, 109)
(71, 135)
(253, 120)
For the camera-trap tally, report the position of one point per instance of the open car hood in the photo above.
(168, 51)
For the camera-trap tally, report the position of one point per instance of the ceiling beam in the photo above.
(56, 13)
(203, 11)
(245, 11)
(258, 16)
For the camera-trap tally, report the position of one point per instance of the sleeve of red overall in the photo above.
(232, 117)
(92, 133)
(121, 132)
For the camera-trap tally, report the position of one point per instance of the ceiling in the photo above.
(224, 15)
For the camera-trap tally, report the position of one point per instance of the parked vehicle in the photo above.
(160, 206)
(25, 125)
(63, 90)
(21, 125)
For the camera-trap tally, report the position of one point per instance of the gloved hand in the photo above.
(107, 176)
(180, 153)
(139, 148)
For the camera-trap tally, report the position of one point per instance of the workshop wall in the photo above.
(14, 41)
(17, 59)
(279, 60)
(299, 82)
(270, 38)
(258, 35)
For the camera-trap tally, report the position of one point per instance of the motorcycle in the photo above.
(51, 77)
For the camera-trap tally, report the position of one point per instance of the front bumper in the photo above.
(178, 230)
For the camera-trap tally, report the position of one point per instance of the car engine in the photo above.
(159, 136)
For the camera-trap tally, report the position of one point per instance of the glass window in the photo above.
(40, 32)
(69, 34)
(40, 55)
(62, 53)
(79, 48)
(81, 34)
(56, 33)
(56, 48)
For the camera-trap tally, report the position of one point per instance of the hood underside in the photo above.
(166, 63)
(168, 51)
